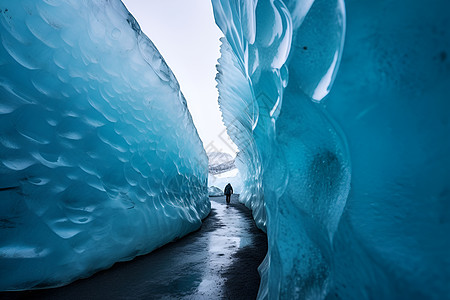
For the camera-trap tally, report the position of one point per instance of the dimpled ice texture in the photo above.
(99, 157)
(344, 151)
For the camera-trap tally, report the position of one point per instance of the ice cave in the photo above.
(340, 111)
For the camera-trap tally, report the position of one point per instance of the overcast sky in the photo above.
(185, 34)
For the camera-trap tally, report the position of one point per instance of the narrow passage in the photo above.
(219, 261)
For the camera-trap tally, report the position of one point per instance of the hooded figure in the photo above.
(228, 191)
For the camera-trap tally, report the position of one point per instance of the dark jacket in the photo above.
(228, 190)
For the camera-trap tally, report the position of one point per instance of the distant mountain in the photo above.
(220, 162)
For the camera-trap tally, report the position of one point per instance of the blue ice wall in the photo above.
(351, 166)
(99, 157)
(391, 97)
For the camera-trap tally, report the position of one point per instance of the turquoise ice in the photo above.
(340, 112)
(341, 115)
(100, 160)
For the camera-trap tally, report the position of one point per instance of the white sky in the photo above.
(187, 37)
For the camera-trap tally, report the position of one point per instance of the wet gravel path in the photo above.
(219, 261)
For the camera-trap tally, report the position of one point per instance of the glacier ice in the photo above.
(100, 160)
(214, 191)
(219, 162)
(222, 171)
(232, 177)
(344, 151)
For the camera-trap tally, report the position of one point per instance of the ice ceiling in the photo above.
(340, 112)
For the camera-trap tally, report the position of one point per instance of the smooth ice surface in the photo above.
(350, 182)
(99, 158)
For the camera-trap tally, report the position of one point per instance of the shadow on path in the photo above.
(219, 261)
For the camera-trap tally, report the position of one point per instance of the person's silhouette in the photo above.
(228, 191)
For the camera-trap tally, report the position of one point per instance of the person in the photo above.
(228, 191)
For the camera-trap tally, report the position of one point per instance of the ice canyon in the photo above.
(340, 111)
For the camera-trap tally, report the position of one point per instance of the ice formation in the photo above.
(100, 160)
(222, 171)
(219, 162)
(221, 180)
(358, 210)
(214, 191)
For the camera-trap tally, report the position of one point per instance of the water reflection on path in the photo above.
(228, 247)
(231, 234)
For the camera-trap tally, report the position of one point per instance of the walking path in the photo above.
(219, 261)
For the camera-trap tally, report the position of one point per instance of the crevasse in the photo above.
(344, 151)
(346, 170)
(99, 157)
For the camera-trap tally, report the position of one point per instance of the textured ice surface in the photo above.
(99, 158)
(357, 210)
(219, 162)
